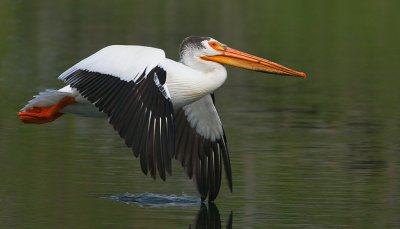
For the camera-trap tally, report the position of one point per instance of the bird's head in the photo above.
(206, 52)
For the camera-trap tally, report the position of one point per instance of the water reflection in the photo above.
(209, 217)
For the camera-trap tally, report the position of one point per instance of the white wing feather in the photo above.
(203, 117)
(126, 62)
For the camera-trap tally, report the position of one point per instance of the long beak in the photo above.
(243, 60)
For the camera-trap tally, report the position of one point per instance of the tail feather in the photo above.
(45, 107)
(45, 98)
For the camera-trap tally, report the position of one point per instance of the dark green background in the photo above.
(316, 153)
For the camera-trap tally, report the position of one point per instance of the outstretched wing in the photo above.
(201, 146)
(128, 84)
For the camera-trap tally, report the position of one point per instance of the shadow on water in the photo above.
(207, 217)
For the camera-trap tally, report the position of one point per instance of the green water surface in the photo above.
(317, 153)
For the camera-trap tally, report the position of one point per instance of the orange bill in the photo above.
(243, 60)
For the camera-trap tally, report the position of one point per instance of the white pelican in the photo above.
(162, 109)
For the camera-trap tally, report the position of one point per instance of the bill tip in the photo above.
(302, 74)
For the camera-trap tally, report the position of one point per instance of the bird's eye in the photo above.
(215, 45)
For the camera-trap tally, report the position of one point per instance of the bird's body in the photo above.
(162, 108)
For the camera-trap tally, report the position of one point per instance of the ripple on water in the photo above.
(156, 200)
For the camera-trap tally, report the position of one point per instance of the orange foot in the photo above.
(40, 115)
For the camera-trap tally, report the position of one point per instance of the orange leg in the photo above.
(40, 115)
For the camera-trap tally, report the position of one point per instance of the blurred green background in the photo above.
(316, 153)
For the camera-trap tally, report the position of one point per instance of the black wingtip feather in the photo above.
(227, 163)
(204, 162)
(127, 102)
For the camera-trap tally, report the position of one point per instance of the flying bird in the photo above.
(163, 109)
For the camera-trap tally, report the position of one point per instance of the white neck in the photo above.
(190, 81)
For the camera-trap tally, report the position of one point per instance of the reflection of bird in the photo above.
(208, 217)
(162, 108)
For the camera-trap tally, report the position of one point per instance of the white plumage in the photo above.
(203, 117)
(45, 99)
(126, 62)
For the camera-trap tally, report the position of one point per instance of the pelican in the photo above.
(163, 109)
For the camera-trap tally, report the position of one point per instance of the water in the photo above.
(316, 153)
(157, 200)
